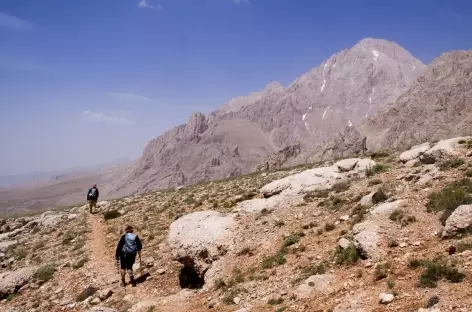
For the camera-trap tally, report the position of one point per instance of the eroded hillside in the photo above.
(383, 232)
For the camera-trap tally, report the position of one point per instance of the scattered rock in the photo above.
(105, 294)
(386, 298)
(387, 208)
(344, 218)
(316, 283)
(344, 243)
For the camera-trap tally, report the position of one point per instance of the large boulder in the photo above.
(460, 220)
(200, 238)
(387, 208)
(308, 180)
(446, 147)
(414, 152)
(366, 239)
(259, 204)
(10, 282)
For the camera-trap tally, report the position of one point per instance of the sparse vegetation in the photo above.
(329, 227)
(415, 263)
(112, 214)
(45, 273)
(391, 284)
(314, 195)
(38, 245)
(435, 271)
(275, 301)
(375, 182)
(392, 243)
(346, 256)
(68, 237)
(359, 214)
(80, 263)
(382, 270)
(378, 168)
(449, 198)
(341, 187)
(272, 261)
(246, 251)
(451, 164)
(380, 154)
(20, 253)
(462, 246)
(87, 292)
(313, 270)
(292, 239)
(432, 301)
(401, 217)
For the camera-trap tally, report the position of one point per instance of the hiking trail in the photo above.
(104, 274)
(102, 263)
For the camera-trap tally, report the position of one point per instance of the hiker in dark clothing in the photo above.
(126, 250)
(92, 197)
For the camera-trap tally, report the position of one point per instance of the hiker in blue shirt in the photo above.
(92, 197)
(126, 250)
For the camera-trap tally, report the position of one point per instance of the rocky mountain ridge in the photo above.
(341, 92)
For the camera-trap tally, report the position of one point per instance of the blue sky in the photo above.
(90, 81)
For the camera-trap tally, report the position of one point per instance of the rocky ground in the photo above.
(385, 232)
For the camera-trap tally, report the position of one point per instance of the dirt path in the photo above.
(104, 274)
(101, 260)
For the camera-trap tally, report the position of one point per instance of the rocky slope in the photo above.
(389, 232)
(437, 106)
(342, 91)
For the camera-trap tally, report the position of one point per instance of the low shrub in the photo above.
(449, 198)
(436, 271)
(45, 273)
(112, 214)
(346, 256)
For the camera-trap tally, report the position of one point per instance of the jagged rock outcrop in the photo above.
(281, 158)
(279, 126)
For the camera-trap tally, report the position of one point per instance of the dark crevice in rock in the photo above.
(189, 278)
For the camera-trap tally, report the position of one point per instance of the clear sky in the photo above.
(89, 81)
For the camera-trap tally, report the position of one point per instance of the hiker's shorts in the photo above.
(127, 261)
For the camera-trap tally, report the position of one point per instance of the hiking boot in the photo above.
(132, 281)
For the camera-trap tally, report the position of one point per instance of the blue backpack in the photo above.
(130, 246)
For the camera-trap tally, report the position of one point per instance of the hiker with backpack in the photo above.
(126, 250)
(92, 197)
